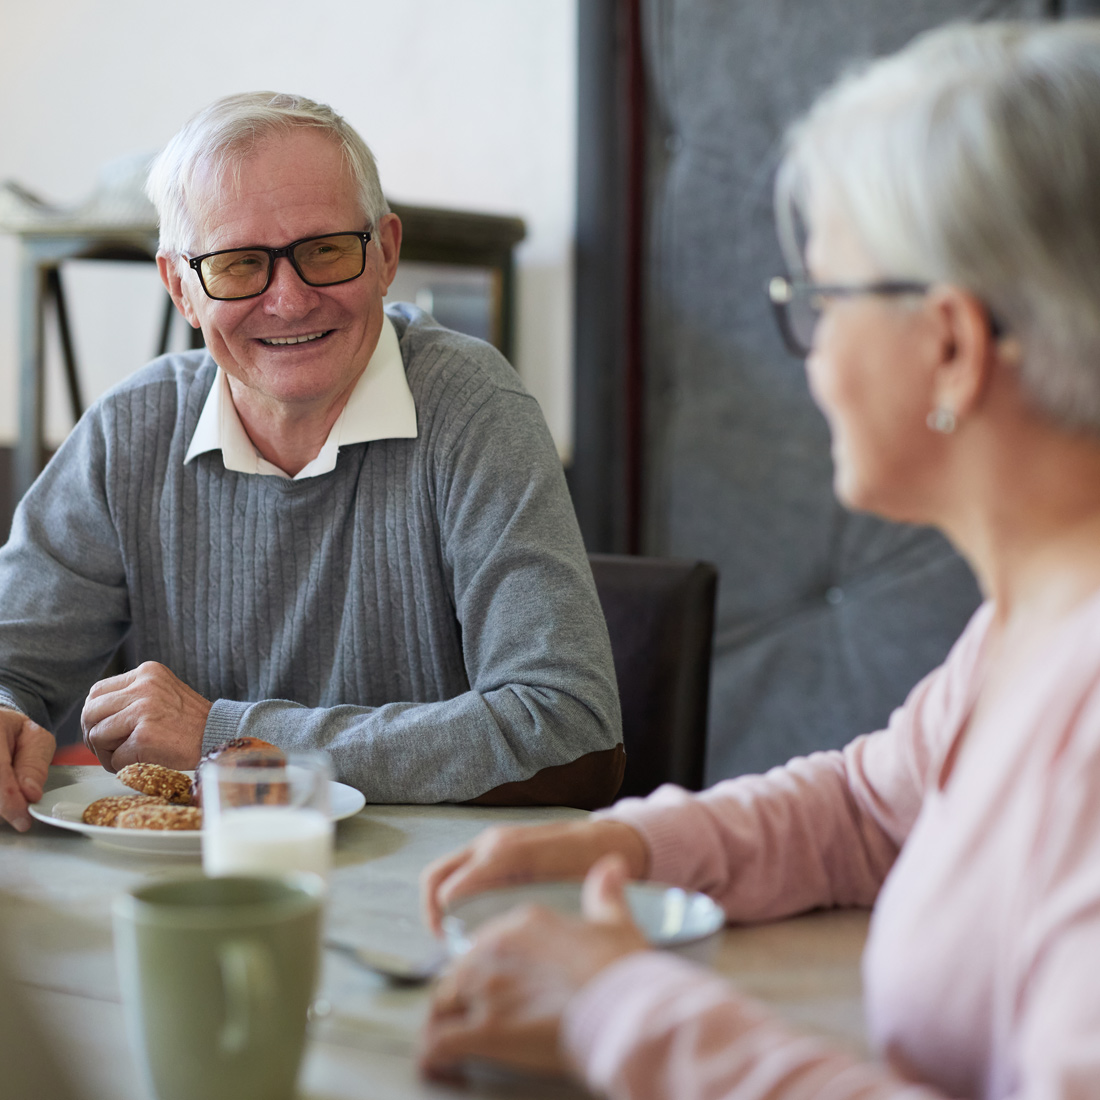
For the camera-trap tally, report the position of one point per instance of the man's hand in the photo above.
(146, 716)
(527, 853)
(26, 750)
(504, 999)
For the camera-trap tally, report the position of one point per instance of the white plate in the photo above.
(65, 806)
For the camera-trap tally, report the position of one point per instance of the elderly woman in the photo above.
(950, 316)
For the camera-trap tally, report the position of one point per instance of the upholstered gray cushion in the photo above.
(826, 619)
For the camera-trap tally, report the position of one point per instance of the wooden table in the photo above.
(58, 888)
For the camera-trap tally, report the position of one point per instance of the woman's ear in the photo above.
(967, 349)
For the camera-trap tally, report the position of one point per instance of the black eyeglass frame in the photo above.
(783, 292)
(195, 262)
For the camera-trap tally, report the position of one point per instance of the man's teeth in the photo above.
(279, 340)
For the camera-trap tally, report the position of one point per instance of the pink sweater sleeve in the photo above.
(652, 1027)
(824, 829)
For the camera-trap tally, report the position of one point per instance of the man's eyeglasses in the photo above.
(235, 273)
(798, 305)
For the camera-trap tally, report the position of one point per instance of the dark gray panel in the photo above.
(737, 458)
(598, 476)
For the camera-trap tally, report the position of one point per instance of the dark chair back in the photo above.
(660, 615)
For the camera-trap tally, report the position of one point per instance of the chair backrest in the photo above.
(660, 615)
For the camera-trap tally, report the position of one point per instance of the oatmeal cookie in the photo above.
(155, 779)
(160, 816)
(104, 811)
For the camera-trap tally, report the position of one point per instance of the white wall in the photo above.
(465, 103)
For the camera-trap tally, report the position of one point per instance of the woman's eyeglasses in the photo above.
(798, 305)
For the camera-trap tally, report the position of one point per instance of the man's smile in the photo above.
(281, 341)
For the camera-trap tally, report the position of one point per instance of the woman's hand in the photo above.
(527, 853)
(503, 1001)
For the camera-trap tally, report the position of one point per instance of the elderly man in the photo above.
(339, 526)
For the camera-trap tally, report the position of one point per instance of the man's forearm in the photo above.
(515, 746)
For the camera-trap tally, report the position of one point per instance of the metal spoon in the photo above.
(399, 969)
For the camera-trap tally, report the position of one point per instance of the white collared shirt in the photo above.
(380, 407)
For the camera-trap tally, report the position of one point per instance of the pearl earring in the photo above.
(942, 420)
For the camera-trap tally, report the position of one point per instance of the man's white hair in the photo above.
(972, 157)
(212, 145)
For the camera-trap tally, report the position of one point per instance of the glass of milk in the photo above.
(266, 819)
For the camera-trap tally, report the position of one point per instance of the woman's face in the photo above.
(870, 373)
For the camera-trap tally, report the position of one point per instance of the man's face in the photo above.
(295, 349)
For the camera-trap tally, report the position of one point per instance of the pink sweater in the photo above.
(982, 966)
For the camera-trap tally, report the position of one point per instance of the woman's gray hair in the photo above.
(213, 144)
(972, 157)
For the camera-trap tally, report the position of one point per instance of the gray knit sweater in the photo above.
(425, 612)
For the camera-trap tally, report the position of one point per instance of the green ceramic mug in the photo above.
(217, 975)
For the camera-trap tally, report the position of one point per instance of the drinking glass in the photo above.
(266, 819)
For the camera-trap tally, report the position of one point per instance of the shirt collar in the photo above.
(380, 407)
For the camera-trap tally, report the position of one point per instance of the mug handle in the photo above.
(248, 984)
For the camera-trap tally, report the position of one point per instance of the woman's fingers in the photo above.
(432, 878)
(603, 896)
(531, 853)
(504, 999)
